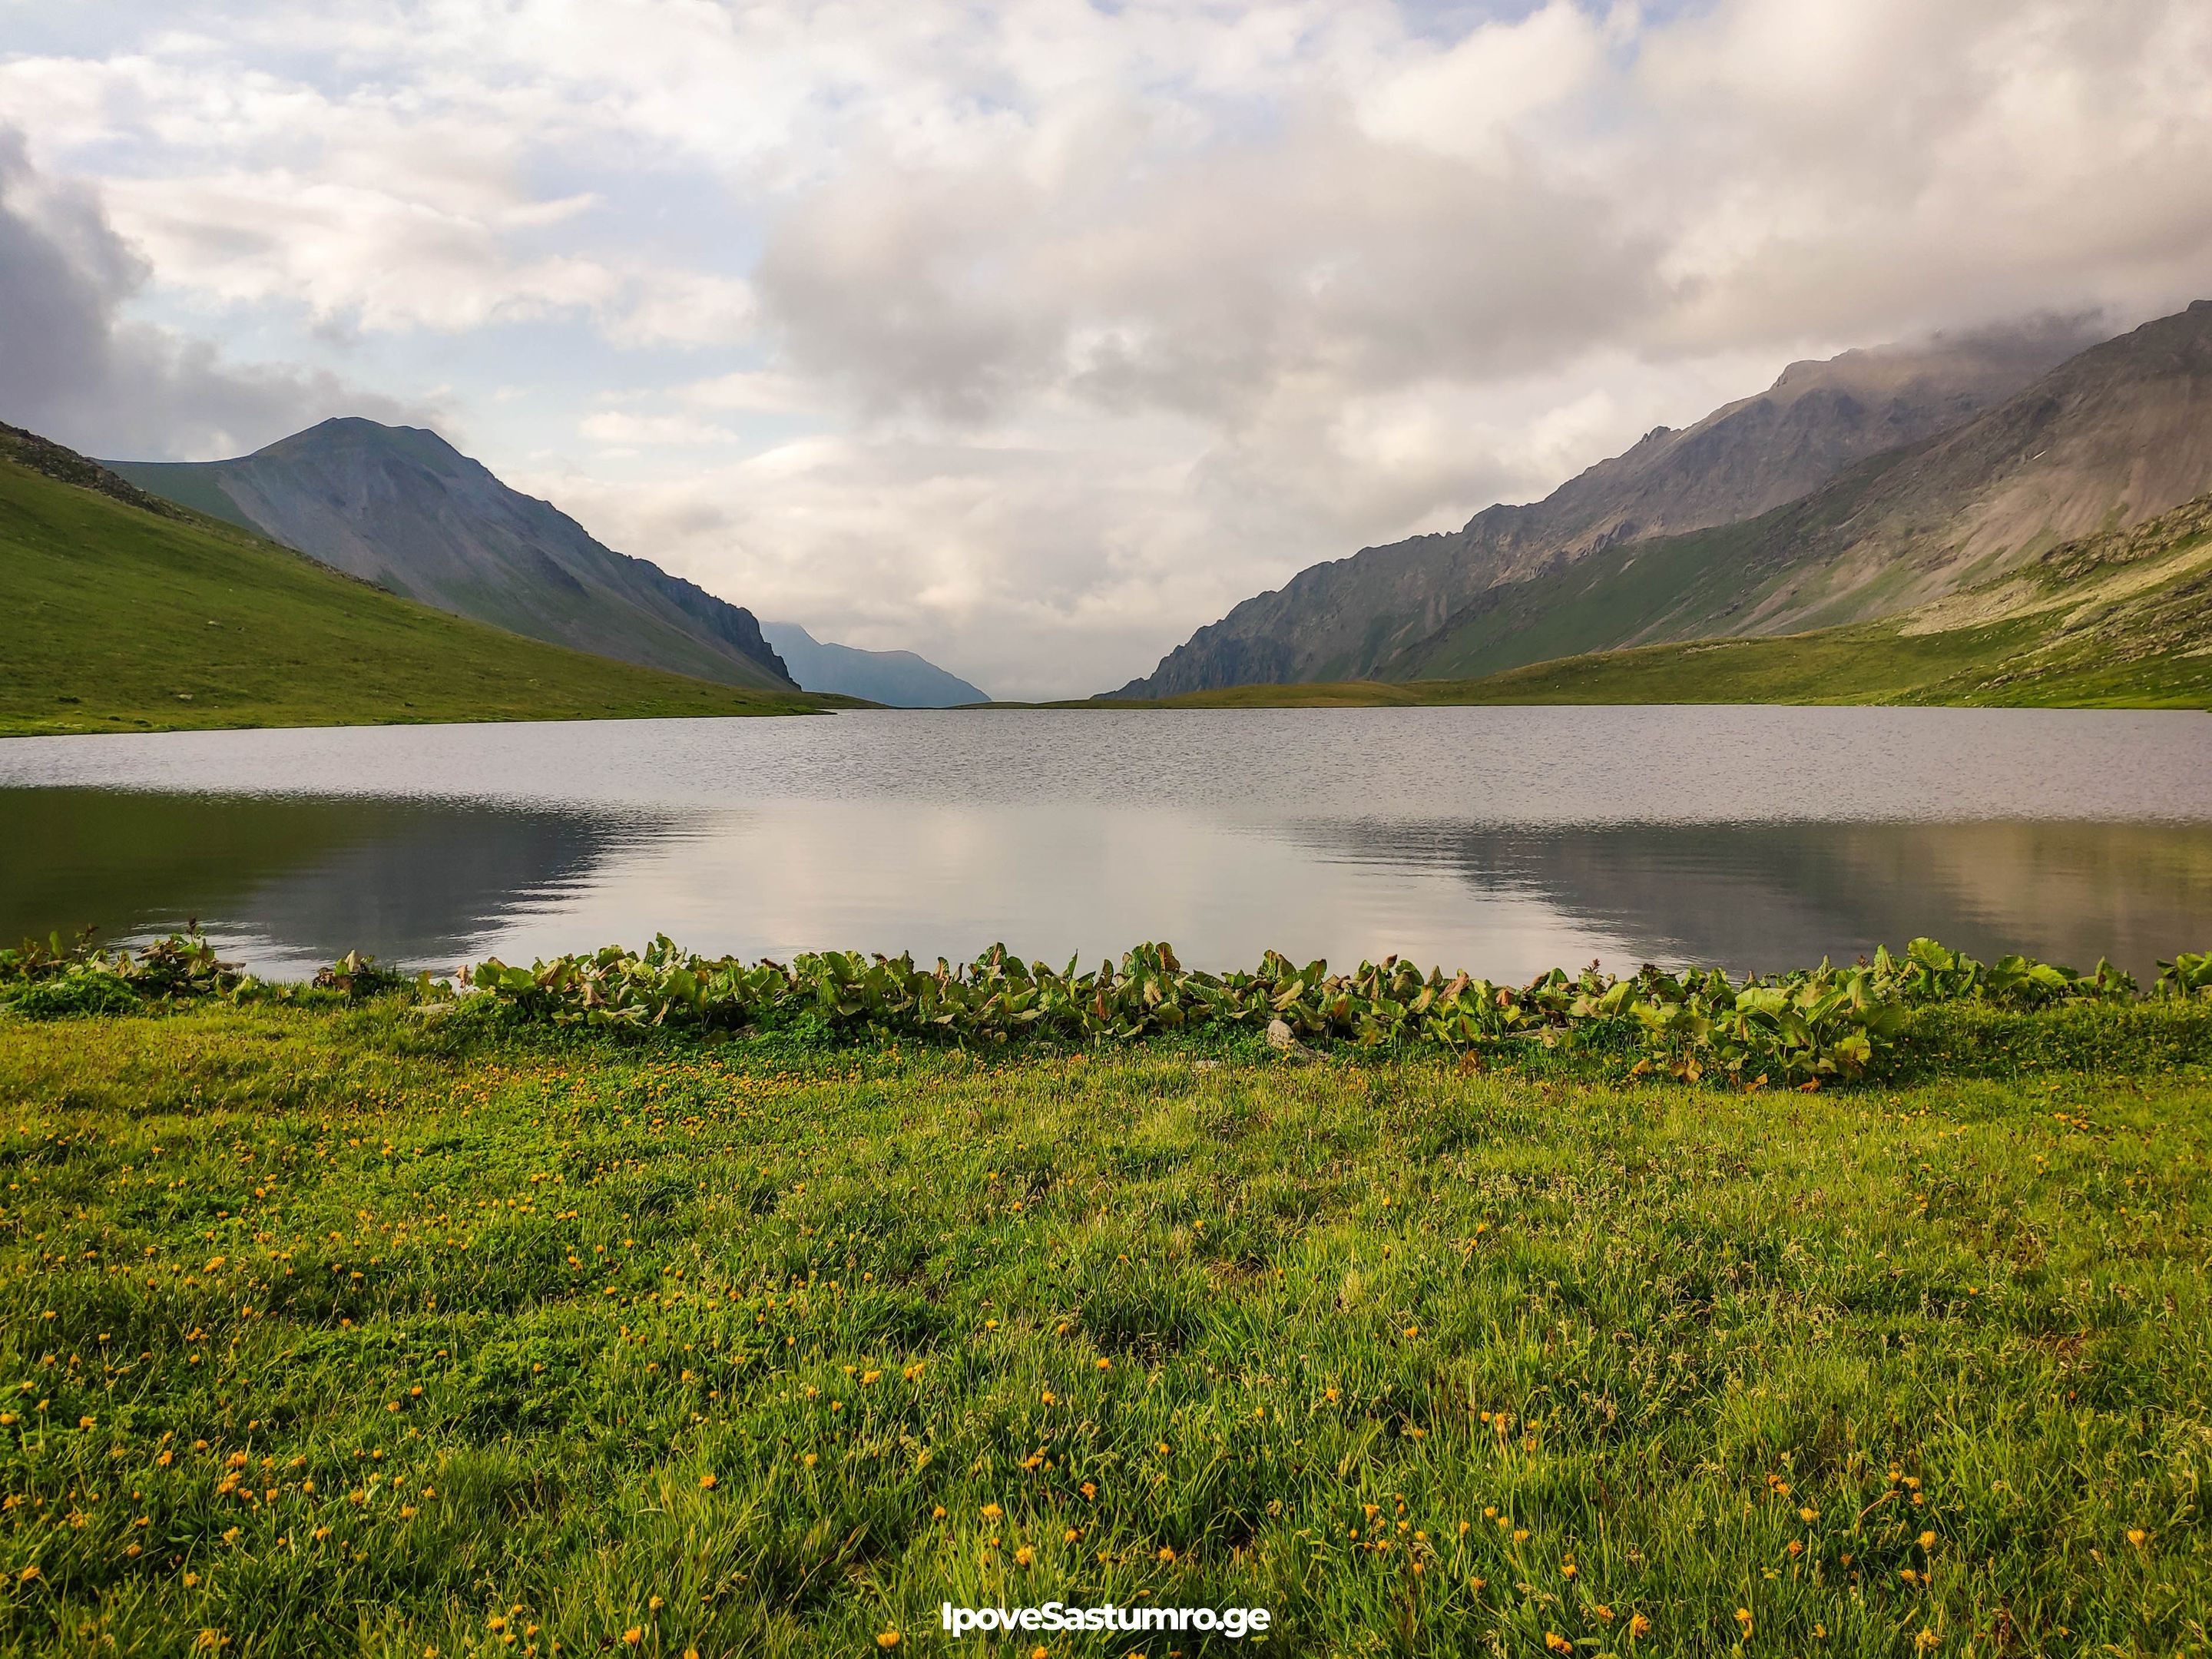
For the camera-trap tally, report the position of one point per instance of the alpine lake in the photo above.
(1502, 841)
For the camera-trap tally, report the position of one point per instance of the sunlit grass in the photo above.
(324, 1332)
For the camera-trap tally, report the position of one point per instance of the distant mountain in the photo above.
(898, 678)
(401, 507)
(2109, 439)
(1347, 618)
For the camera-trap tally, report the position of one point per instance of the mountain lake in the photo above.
(1503, 840)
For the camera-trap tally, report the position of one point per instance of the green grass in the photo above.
(122, 620)
(1869, 663)
(361, 1331)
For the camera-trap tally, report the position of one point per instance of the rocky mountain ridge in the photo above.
(2116, 435)
(1348, 618)
(403, 508)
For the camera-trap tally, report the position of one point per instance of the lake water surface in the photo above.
(1502, 841)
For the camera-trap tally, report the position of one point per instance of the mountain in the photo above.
(2120, 619)
(1346, 619)
(401, 507)
(128, 612)
(2111, 438)
(897, 678)
(2117, 619)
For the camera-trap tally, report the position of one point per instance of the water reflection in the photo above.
(1503, 840)
(1761, 896)
(291, 882)
(288, 883)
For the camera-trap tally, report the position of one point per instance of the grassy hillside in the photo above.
(122, 618)
(1670, 587)
(2117, 436)
(1354, 617)
(2118, 620)
(2122, 619)
(355, 1331)
(401, 508)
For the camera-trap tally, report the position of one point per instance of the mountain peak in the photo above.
(356, 434)
(399, 507)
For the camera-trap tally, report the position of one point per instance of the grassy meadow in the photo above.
(364, 1330)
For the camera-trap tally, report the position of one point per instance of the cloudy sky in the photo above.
(1032, 334)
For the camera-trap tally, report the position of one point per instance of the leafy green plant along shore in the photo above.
(395, 1326)
(1801, 1026)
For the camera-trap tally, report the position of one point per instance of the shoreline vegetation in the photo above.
(1803, 1026)
(636, 1303)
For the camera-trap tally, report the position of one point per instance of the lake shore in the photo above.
(687, 1344)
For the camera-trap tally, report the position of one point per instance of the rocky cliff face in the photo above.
(1347, 618)
(401, 507)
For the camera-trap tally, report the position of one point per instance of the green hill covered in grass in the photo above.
(2120, 619)
(403, 508)
(126, 612)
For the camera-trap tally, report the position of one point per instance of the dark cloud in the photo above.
(73, 368)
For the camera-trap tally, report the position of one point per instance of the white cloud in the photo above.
(622, 429)
(1466, 99)
(74, 368)
(685, 308)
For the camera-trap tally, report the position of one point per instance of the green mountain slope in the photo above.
(1352, 616)
(401, 507)
(1671, 587)
(2119, 619)
(128, 613)
(2111, 439)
